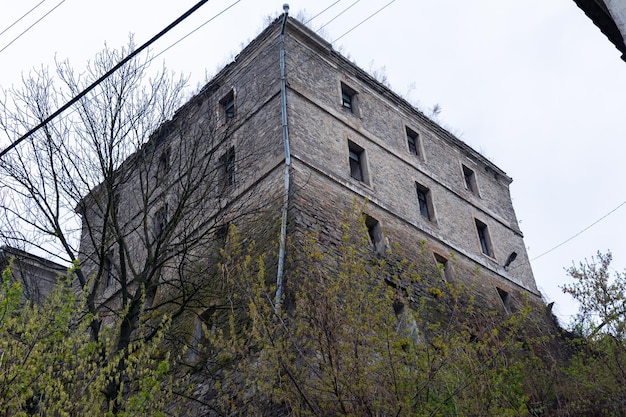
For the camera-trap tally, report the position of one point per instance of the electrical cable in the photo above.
(26, 14)
(317, 15)
(31, 26)
(340, 13)
(195, 30)
(364, 20)
(579, 233)
(102, 78)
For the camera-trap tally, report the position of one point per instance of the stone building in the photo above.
(283, 140)
(36, 274)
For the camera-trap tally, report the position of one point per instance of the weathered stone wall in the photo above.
(193, 190)
(320, 132)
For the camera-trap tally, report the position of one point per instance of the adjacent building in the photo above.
(610, 17)
(36, 274)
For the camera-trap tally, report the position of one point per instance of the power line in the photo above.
(581, 232)
(340, 13)
(364, 20)
(195, 30)
(105, 76)
(317, 15)
(31, 26)
(25, 14)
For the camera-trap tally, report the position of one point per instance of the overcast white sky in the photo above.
(531, 84)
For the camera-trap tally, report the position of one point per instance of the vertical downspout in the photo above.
(283, 225)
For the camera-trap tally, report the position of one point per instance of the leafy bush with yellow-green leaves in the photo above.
(349, 338)
(50, 366)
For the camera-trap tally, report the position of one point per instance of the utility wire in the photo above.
(195, 30)
(102, 78)
(18, 20)
(317, 15)
(364, 20)
(31, 26)
(340, 13)
(579, 233)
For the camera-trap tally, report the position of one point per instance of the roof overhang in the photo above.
(606, 16)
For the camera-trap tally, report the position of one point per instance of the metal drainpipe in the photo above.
(283, 225)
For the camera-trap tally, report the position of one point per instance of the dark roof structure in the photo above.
(598, 12)
(36, 274)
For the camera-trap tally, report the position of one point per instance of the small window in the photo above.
(483, 237)
(164, 164)
(424, 201)
(200, 341)
(412, 140)
(108, 270)
(227, 164)
(160, 222)
(228, 105)
(116, 205)
(221, 235)
(506, 298)
(348, 98)
(358, 168)
(470, 180)
(443, 265)
(375, 233)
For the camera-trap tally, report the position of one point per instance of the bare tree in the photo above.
(133, 189)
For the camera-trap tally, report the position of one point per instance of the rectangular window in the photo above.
(164, 164)
(483, 237)
(424, 201)
(358, 168)
(108, 270)
(375, 233)
(348, 98)
(470, 180)
(412, 140)
(116, 206)
(506, 299)
(160, 222)
(228, 105)
(227, 164)
(444, 267)
(221, 235)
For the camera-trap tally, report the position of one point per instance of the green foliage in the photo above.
(596, 374)
(351, 338)
(51, 366)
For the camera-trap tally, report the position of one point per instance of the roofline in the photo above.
(8, 252)
(322, 45)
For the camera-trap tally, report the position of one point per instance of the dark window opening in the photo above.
(470, 180)
(348, 98)
(160, 222)
(375, 233)
(200, 342)
(221, 235)
(150, 294)
(412, 139)
(443, 265)
(423, 198)
(228, 105)
(505, 297)
(108, 270)
(115, 209)
(357, 162)
(164, 164)
(227, 162)
(208, 323)
(483, 237)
